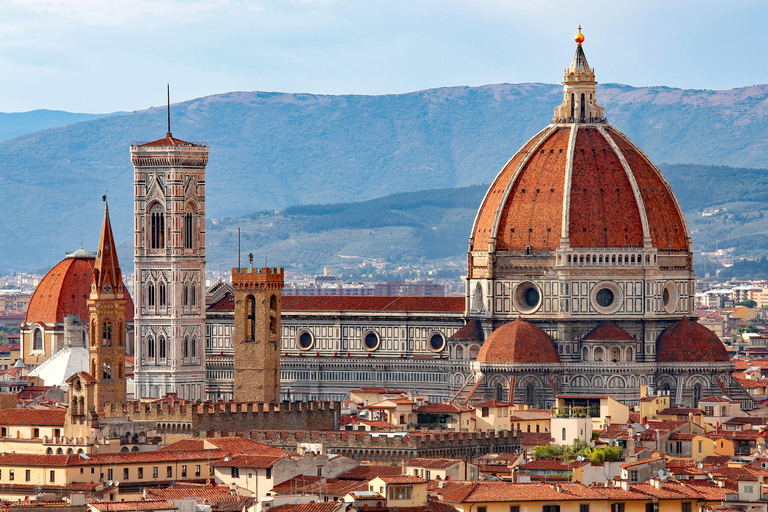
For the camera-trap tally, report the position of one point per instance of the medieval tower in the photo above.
(107, 306)
(169, 260)
(256, 337)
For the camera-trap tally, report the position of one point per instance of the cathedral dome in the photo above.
(64, 291)
(686, 341)
(579, 183)
(580, 186)
(518, 342)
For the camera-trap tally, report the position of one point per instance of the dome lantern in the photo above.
(579, 103)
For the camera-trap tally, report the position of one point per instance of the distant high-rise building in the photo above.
(169, 260)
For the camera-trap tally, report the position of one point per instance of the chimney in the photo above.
(625, 485)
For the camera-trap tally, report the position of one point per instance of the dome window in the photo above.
(604, 297)
(436, 342)
(371, 340)
(305, 340)
(670, 297)
(527, 297)
(607, 298)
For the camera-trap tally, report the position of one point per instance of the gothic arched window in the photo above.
(38, 340)
(185, 351)
(161, 342)
(193, 348)
(189, 231)
(161, 292)
(185, 295)
(150, 347)
(151, 295)
(157, 228)
(192, 294)
(582, 107)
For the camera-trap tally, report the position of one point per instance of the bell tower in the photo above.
(106, 306)
(256, 337)
(169, 263)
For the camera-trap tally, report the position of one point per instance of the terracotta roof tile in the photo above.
(686, 341)
(221, 498)
(518, 342)
(608, 331)
(472, 331)
(39, 417)
(64, 291)
(444, 408)
(368, 471)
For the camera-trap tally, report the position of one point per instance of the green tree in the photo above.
(550, 451)
(749, 303)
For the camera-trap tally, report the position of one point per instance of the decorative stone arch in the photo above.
(615, 355)
(597, 382)
(499, 387)
(458, 379)
(629, 354)
(667, 383)
(585, 353)
(642, 381)
(617, 382)
(474, 349)
(530, 387)
(599, 354)
(698, 386)
(579, 381)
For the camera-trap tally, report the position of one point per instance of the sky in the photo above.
(100, 56)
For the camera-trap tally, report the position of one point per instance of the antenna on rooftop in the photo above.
(168, 90)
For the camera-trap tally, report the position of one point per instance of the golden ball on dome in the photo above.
(579, 38)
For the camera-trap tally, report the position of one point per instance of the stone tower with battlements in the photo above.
(107, 307)
(256, 338)
(169, 260)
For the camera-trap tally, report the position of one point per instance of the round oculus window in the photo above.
(527, 297)
(305, 340)
(604, 297)
(531, 297)
(607, 297)
(436, 342)
(371, 341)
(670, 296)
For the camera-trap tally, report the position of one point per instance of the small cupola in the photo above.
(579, 103)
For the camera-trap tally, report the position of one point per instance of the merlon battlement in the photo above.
(250, 277)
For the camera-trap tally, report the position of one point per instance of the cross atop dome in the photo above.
(579, 105)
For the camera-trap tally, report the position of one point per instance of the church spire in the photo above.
(107, 278)
(579, 104)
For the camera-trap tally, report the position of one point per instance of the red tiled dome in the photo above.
(518, 342)
(533, 203)
(686, 341)
(64, 291)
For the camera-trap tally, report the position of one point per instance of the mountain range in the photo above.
(272, 150)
